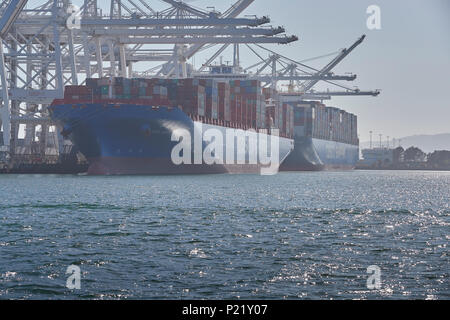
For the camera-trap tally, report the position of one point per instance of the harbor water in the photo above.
(289, 236)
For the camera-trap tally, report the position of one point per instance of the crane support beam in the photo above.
(32, 120)
(174, 22)
(297, 98)
(211, 40)
(5, 106)
(148, 57)
(10, 15)
(347, 93)
(333, 93)
(185, 32)
(306, 77)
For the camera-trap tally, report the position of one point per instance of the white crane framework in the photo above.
(44, 48)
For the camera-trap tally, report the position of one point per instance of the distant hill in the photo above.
(428, 143)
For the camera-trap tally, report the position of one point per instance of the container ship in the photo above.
(126, 126)
(326, 138)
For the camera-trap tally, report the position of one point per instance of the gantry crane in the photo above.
(40, 54)
(10, 13)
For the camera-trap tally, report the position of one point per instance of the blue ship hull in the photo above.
(312, 154)
(135, 139)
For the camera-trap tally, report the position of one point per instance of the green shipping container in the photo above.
(105, 89)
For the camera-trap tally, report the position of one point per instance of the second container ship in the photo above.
(326, 138)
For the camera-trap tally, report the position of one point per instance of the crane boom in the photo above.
(327, 69)
(348, 93)
(10, 15)
(333, 93)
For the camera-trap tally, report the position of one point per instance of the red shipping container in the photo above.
(224, 101)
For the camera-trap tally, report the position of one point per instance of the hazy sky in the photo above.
(409, 58)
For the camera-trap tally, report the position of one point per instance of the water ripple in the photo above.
(294, 235)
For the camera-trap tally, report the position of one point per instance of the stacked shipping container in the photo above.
(212, 94)
(247, 103)
(237, 103)
(312, 118)
(190, 97)
(224, 101)
(288, 119)
(77, 93)
(273, 116)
